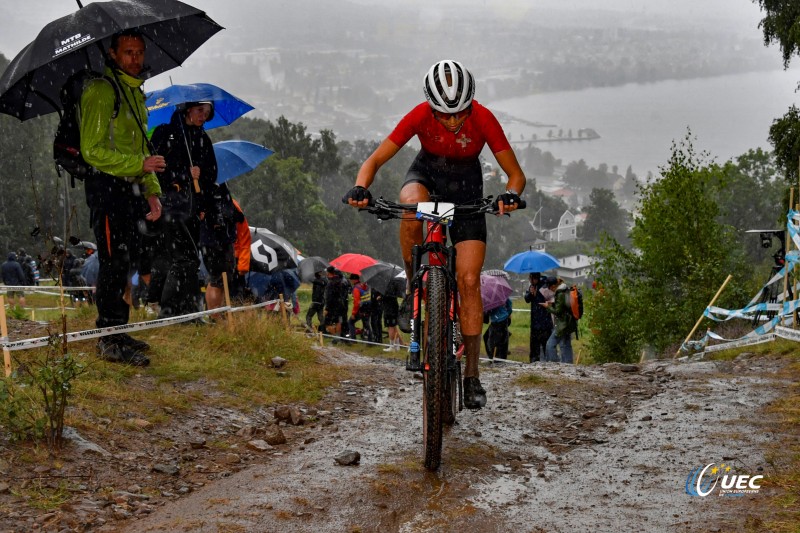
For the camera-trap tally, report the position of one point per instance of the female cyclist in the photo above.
(452, 129)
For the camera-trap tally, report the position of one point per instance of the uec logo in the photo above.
(700, 484)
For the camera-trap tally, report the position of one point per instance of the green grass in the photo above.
(190, 366)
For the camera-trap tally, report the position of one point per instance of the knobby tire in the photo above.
(434, 400)
(452, 391)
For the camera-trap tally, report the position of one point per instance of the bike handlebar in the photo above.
(386, 209)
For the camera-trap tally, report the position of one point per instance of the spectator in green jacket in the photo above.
(565, 323)
(125, 193)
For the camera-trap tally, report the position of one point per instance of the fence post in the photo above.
(227, 299)
(714, 299)
(4, 335)
(283, 312)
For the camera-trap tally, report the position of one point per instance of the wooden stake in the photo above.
(283, 312)
(714, 299)
(4, 335)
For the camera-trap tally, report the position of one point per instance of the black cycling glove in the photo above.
(508, 198)
(357, 193)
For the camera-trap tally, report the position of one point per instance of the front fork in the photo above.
(414, 361)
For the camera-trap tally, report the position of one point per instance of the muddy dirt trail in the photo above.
(558, 448)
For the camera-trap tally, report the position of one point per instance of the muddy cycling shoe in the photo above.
(404, 316)
(114, 351)
(474, 394)
(130, 342)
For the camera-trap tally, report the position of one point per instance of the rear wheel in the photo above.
(434, 401)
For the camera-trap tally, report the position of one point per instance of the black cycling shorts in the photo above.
(453, 181)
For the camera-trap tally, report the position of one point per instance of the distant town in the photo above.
(358, 83)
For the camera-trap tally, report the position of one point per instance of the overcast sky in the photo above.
(20, 20)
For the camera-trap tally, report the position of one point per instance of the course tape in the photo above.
(125, 328)
(787, 333)
(744, 342)
(111, 330)
(782, 311)
(43, 289)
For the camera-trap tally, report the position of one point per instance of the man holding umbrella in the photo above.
(126, 187)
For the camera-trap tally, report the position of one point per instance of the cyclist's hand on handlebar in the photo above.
(358, 196)
(507, 202)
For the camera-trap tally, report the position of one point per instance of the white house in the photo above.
(576, 269)
(565, 231)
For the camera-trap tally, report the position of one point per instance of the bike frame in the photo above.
(440, 256)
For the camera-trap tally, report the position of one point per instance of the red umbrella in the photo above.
(353, 263)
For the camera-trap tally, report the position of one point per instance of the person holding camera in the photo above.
(541, 320)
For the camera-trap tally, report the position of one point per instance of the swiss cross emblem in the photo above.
(463, 140)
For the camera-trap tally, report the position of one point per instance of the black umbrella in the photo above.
(172, 30)
(311, 265)
(380, 276)
(269, 252)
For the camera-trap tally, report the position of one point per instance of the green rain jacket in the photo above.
(565, 322)
(117, 146)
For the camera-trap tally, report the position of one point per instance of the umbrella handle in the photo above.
(196, 185)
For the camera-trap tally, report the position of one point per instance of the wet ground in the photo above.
(558, 448)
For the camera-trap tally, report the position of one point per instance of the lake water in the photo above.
(728, 115)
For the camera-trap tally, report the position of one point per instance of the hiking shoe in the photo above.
(474, 394)
(112, 350)
(404, 316)
(130, 342)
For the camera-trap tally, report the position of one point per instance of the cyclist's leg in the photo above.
(469, 261)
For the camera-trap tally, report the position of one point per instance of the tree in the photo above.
(781, 24)
(631, 185)
(750, 196)
(681, 255)
(284, 198)
(784, 134)
(576, 174)
(604, 215)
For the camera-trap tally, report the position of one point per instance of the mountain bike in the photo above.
(435, 346)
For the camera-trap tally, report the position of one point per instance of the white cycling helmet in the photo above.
(449, 96)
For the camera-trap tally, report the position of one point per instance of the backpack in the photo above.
(67, 142)
(574, 301)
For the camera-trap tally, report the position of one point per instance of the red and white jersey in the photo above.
(479, 129)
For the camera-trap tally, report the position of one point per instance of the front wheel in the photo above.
(435, 400)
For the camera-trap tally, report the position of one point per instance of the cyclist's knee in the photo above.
(469, 281)
(412, 193)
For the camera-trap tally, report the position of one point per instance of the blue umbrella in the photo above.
(235, 158)
(162, 103)
(531, 261)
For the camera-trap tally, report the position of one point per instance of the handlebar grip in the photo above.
(522, 204)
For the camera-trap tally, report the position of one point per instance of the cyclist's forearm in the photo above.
(508, 162)
(367, 172)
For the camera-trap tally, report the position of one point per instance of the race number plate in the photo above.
(439, 212)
